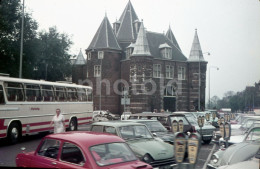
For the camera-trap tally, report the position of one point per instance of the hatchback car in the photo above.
(151, 150)
(81, 150)
(166, 119)
(157, 129)
(237, 152)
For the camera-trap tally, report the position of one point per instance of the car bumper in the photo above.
(166, 166)
(209, 166)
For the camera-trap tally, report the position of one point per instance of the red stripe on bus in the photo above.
(2, 121)
(37, 124)
(3, 135)
(85, 118)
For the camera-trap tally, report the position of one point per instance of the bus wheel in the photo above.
(73, 124)
(14, 133)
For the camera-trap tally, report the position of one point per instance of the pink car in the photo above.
(81, 150)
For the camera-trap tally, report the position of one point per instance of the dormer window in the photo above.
(100, 54)
(165, 51)
(129, 50)
(89, 56)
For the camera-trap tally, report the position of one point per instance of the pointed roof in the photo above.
(104, 37)
(141, 44)
(80, 59)
(196, 52)
(171, 37)
(126, 31)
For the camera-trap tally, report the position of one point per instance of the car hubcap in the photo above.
(14, 133)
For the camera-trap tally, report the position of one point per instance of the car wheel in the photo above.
(207, 141)
(14, 133)
(73, 124)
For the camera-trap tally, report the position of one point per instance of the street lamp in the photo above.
(200, 80)
(21, 47)
(209, 80)
(100, 56)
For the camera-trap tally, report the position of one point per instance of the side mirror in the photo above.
(154, 134)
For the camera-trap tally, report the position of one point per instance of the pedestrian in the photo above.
(58, 121)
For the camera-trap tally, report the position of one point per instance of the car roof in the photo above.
(157, 114)
(86, 138)
(116, 123)
(141, 120)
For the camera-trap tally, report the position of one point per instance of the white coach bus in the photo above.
(28, 106)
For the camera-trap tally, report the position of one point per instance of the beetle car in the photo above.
(81, 150)
(153, 151)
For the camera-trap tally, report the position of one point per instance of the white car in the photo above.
(125, 115)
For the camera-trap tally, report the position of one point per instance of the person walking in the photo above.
(58, 121)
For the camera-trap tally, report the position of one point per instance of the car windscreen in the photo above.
(135, 132)
(112, 153)
(154, 126)
(253, 135)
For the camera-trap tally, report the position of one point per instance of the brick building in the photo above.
(148, 67)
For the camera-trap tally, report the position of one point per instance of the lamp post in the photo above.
(21, 47)
(200, 80)
(100, 56)
(209, 80)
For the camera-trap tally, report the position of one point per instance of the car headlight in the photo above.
(147, 158)
(215, 158)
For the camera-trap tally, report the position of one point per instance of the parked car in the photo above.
(166, 119)
(238, 138)
(157, 129)
(206, 131)
(125, 115)
(147, 148)
(81, 150)
(237, 152)
(102, 115)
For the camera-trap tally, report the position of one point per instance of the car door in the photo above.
(47, 154)
(72, 156)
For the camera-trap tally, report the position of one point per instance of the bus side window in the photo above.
(60, 94)
(82, 96)
(47, 93)
(89, 95)
(2, 100)
(14, 91)
(32, 92)
(72, 94)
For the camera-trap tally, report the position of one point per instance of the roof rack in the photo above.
(4, 74)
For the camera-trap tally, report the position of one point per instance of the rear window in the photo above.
(97, 128)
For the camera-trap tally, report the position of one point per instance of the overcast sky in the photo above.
(228, 29)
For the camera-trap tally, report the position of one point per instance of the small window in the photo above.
(14, 91)
(97, 128)
(89, 55)
(49, 148)
(60, 94)
(97, 71)
(72, 94)
(2, 99)
(100, 54)
(169, 72)
(47, 93)
(181, 73)
(32, 92)
(157, 70)
(111, 130)
(82, 95)
(72, 154)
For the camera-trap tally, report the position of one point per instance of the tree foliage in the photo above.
(39, 48)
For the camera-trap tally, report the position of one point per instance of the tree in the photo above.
(10, 37)
(53, 61)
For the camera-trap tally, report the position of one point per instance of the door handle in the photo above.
(53, 163)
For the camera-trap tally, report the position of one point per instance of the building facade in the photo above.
(147, 69)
